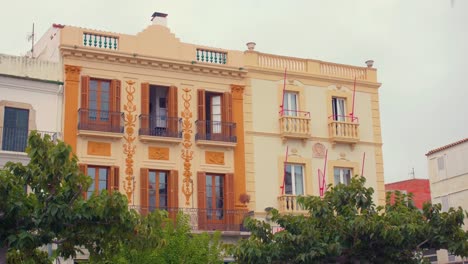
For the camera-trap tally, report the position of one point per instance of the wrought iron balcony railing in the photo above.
(160, 126)
(201, 219)
(216, 131)
(97, 120)
(16, 139)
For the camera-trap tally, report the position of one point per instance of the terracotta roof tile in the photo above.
(446, 146)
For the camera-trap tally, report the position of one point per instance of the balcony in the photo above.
(160, 128)
(215, 133)
(343, 129)
(288, 204)
(16, 139)
(211, 56)
(205, 219)
(100, 41)
(91, 121)
(294, 124)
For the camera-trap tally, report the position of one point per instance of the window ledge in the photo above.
(100, 134)
(216, 143)
(174, 140)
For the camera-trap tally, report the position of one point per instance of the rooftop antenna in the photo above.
(413, 175)
(31, 38)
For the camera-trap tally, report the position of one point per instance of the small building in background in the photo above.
(420, 188)
(30, 99)
(448, 175)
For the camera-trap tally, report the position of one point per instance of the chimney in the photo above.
(159, 19)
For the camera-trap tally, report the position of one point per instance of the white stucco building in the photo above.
(448, 174)
(30, 99)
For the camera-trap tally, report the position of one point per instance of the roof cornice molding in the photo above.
(325, 78)
(223, 71)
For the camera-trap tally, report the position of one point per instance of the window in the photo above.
(214, 197)
(441, 163)
(213, 112)
(215, 201)
(338, 108)
(290, 103)
(15, 129)
(215, 116)
(294, 179)
(100, 105)
(159, 111)
(342, 175)
(99, 175)
(98, 100)
(157, 192)
(445, 202)
(103, 178)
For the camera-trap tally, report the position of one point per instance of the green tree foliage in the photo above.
(159, 239)
(345, 226)
(53, 210)
(34, 257)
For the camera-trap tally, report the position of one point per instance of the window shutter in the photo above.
(84, 91)
(144, 191)
(226, 115)
(84, 112)
(113, 183)
(83, 169)
(201, 127)
(145, 95)
(230, 200)
(201, 190)
(173, 123)
(174, 189)
(115, 95)
(173, 202)
(115, 105)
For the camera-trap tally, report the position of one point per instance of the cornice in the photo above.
(312, 138)
(31, 86)
(117, 57)
(318, 77)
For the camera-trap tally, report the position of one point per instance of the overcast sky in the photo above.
(420, 48)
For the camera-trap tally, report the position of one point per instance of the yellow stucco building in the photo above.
(204, 130)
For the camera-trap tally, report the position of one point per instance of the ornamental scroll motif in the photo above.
(212, 157)
(129, 137)
(187, 152)
(157, 153)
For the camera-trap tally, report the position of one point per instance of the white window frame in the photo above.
(342, 175)
(293, 178)
(290, 97)
(339, 109)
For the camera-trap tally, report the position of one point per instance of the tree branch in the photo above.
(61, 241)
(422, 243)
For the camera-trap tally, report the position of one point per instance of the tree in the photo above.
(159, 239)
(346, 227)
(53, 210)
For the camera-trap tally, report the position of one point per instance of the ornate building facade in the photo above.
(212, 132)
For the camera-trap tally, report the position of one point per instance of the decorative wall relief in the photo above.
(99, 148)
(187, 152)
(318, 149)
(157, 153)
(212, 157)
(129, 137)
